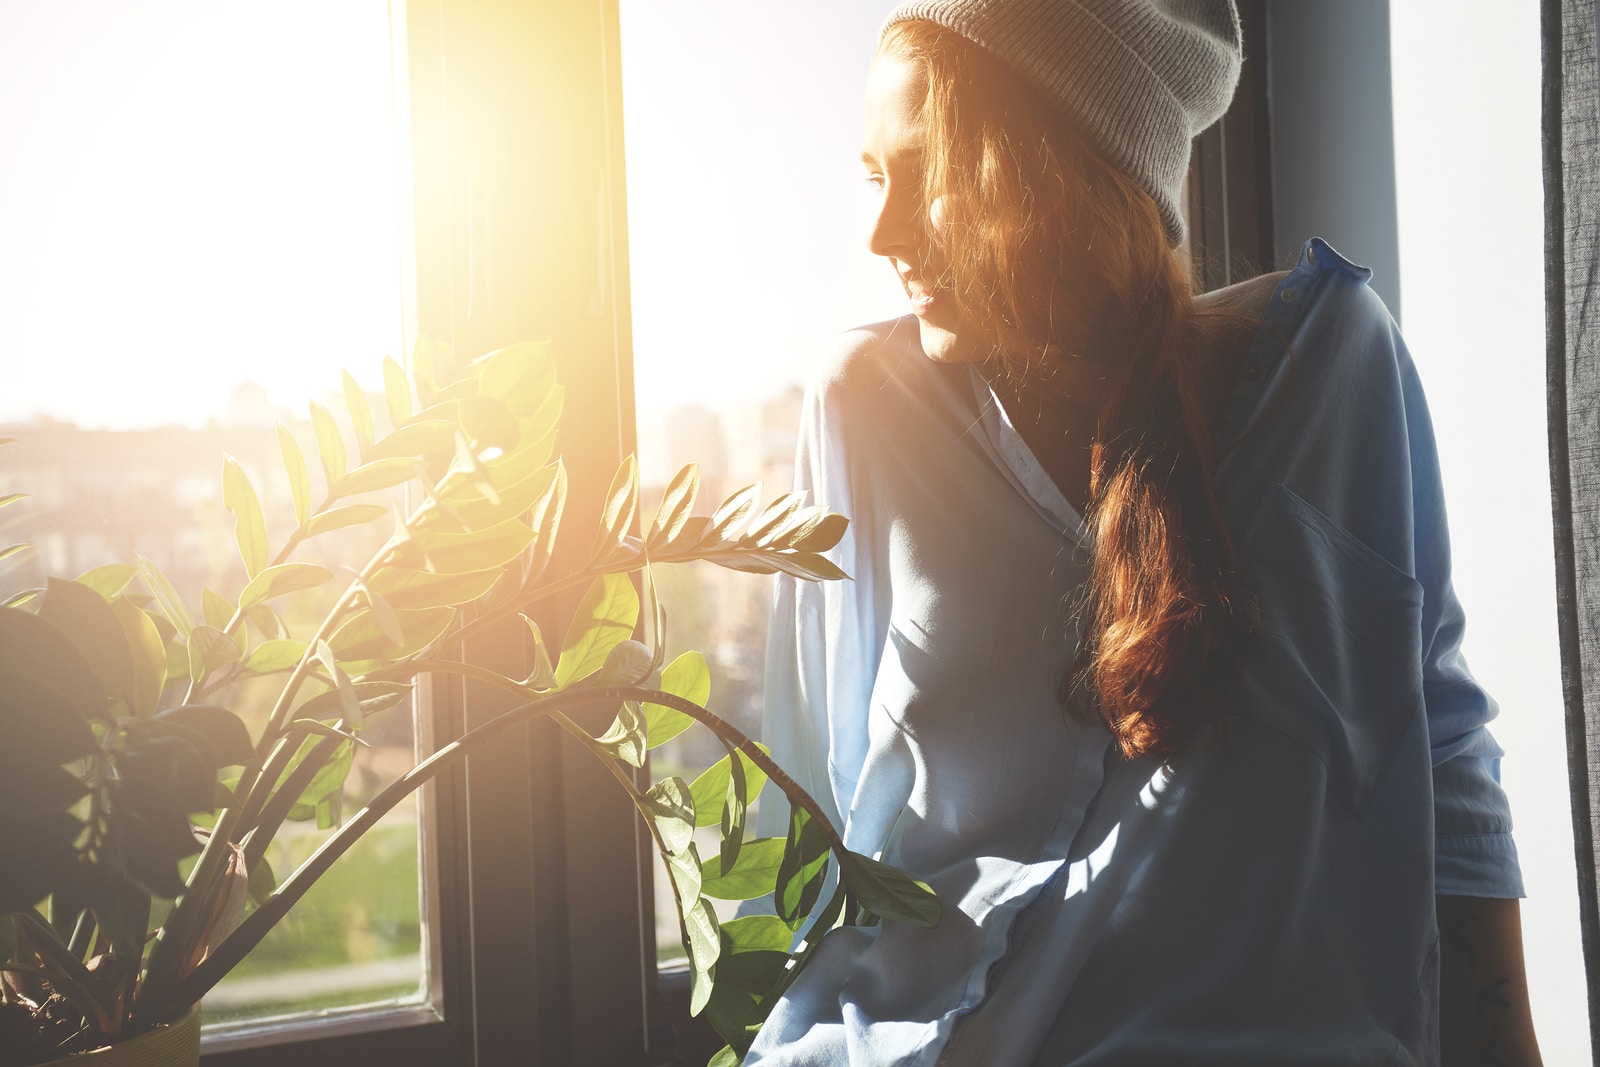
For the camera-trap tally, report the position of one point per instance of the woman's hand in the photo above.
(1484, 1016)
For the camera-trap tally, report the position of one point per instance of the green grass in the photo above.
(364, 908)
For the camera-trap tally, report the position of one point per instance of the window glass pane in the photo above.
(747, 226)
(200, 225)
(1471, 282)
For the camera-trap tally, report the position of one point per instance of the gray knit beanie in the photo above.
(1142, 77)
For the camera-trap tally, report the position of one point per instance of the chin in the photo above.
(943, 345)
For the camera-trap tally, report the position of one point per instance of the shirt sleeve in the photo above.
(1474, 854)
(822, 652)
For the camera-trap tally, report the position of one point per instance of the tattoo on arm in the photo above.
(1483, 996)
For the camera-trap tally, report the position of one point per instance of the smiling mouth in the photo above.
(921, 297)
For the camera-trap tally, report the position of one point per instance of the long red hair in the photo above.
(1053, 253)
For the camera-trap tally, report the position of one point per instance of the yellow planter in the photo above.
(174, 1045)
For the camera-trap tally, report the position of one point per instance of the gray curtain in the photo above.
(1571, 120)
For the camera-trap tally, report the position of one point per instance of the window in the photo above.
(206, 230)
(1478, 339)
(514, 134)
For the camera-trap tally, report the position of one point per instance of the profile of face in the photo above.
(903, 232)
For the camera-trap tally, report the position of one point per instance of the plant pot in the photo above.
(175, 1045)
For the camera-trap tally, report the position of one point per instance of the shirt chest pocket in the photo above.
(1335, 663)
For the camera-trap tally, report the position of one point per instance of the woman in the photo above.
(1150, 662)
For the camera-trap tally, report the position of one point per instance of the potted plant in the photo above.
(123, 755)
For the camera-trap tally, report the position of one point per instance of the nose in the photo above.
(894, 232)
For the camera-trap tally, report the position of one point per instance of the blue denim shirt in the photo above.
(1265, 897)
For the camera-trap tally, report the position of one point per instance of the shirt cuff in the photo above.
(1477, 865)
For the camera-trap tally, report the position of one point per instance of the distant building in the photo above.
(100, 496)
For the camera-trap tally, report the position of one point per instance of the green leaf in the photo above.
(417, 439)
(108, 580)
(149, 654)
(39, 857)
(31, 789)
(725, 1057)
(622, 504)
(625, 738)
(92, 626)
(543, 676)
(705, 945)
(404, 587)
(668, 805)
(458, 553)
(396, 392)
(807, 565)
(804, 867)
(754, 875)
(677, 504)
(545, 519)
(372, 697)
(475, 511)
(262, 881)
(39, 722)
(734, 510)
(520, 376)
(339, 518)
(166, 596)
(764, 527)
(223, 731)
(889, 892)
(687, 677)
(360, 413)
(712, 786)
(740, 1001)
(317, 726)
(385, 617)
(733, 809)
(266, 622)
(250, 526)
(488, 424)
(280, 579)
(330, 444)
(322, 798)
(605, 618)
(684, 870)
(360, 637)
(209, 649)
(379, 474)
(216, 610)
(756, 933)
(349, 704)
(280, 654)
(827, 532)
(294, 464)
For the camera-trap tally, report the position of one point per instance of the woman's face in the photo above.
(903, 232)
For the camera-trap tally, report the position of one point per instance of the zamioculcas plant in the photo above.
(119, 738)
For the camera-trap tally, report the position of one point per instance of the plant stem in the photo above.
(735, 737)
(249, 933)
